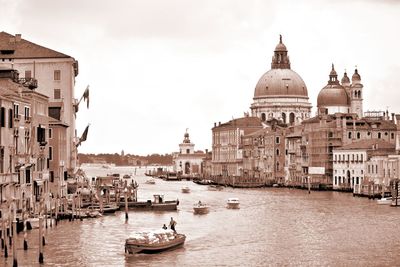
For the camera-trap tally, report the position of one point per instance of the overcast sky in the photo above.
(157, 67)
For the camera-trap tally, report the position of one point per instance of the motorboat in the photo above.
(233, 203)
(150, 181)
(387, 200)
(185, 189)
(213, 187)
(158, 203)
(200, 208)
(153, 241)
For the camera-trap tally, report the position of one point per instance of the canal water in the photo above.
(273, 227)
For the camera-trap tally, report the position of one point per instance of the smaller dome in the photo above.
(345, 78)
(356, 76)
(333, 96)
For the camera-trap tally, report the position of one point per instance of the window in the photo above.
(2, 160)
(349, 135)
(10, 118)
(379, 135)
(16, 111)
(50, 133)
(41, 134)
(392, 135)
(187, 151)
(57, 94)
(263, 117)
(3, 117)
(51, 178)
(28, 74)
(28, 175)
(277, 140)
(57, 75)
(277, 152)
(27, 113)
(358, 135)
(50, 153)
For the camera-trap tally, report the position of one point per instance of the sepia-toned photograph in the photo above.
(199, 133)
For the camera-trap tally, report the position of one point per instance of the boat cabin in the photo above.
(158, 199)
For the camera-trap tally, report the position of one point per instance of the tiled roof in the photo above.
(8, 87)
(15, 47)
(368, 144)
(242, 122)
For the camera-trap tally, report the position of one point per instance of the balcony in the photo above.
(28, 119)
(17, 117)
(8, 178)
(31, 83)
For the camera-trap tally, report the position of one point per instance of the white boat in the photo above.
(384, 201)
(200, 208)
(232, 203)
(153, 242)
(213, 187)
(150, 181)
(185, 189)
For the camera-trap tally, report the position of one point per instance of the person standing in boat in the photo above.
(172, 224)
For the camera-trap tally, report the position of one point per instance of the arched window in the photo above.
(263, 116)
(359, 94)
(291, 118)
(277, 166)
(277, 152)
(349, 135)
(284, 117)
(392, 135)
(358, 135)
(379, 135)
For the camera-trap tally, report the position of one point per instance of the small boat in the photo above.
(213, 187)
(107, 208)
(150, 181)
(387, 200)
(200, 208)
(127, 176)
(233, 203)
(185, 189)
(154, 242)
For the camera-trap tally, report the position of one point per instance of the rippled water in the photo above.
(274, 226)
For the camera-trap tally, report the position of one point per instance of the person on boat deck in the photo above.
(172, 224)
(199, 202)
(164, 227)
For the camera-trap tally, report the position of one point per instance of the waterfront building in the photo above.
(187, 162)
(24, 147)
(264, 154)
(294, 170)
(350, 161)
(55, 73)
(280, 92)
(227, 151)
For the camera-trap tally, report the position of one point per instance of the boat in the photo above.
(200, 208)
(127, 176)
(213, 187)
(387, 200)
(153, 242)
(150, 181)
(233, 203)
(171, 176)
(185, 189)
(107, 208)
(158, 203)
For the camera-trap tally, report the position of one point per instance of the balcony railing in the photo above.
(31, 83)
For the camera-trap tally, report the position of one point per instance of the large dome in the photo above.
(333, 95)
(280, 82)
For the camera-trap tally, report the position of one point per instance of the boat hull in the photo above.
(133, 248)
(200, 210)
(173, 205)
(233, 206)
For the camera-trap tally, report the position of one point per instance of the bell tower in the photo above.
(356, 99)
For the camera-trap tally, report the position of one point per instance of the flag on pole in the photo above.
(86, 96)
(84, 136)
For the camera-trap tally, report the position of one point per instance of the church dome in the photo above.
(356, 76)
(345, 79)
(333, 94)
(280, 82)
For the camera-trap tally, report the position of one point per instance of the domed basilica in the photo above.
(280, 92)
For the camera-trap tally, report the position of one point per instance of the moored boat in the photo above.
(233, 203)
(150, 181)
(213, 187)
(154, 242)
(200, 208)
(185, 189)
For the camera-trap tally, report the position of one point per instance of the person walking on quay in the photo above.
(172, 224)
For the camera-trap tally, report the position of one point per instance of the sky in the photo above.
(158, 67)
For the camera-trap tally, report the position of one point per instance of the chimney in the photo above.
(215, 124)
(206, 151)
(17, 37)
(219, 123)
(393, 118)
